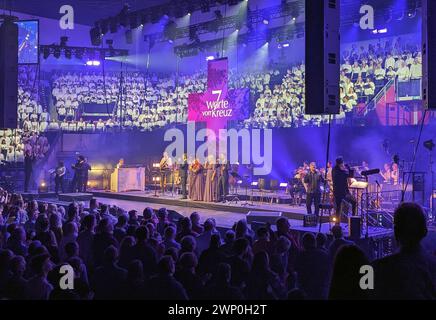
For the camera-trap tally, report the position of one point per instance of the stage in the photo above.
(225, 214)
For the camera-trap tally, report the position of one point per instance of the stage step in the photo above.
(73, 197)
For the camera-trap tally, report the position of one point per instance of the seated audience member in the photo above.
(126, 252)
(185, 229)
(186, 275)
(162, 216)
(134, 286)
(169, 238)
(143, 252)
(239, 262)
(279, 260)
(102, 240)
(262, 283)
(15, 288)
(242, 231)
(221, 289)
(38, 287)
(203, 240)
(262, 243)
(70, 235)
(227, 247)
(148, 216)
(109, 278)
(17, 242)
(195, 221)
(85, 239)
(120, 228)
(211, 257)
(409, 274)
(338, 241)
(344, 284)
(312, 269)
(321, 241)
(188, 244)
(133, 218)
(164, 286)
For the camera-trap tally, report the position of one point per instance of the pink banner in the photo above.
(218, 105)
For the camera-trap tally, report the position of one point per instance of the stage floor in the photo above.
(225, 214)
(241, 206)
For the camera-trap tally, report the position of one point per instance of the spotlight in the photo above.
(42, 188)
(94, 63)
(265, 21)
(209, 58)
(429, 145)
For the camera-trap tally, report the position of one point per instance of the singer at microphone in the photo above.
(340, 175)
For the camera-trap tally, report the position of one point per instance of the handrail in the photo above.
(383, 91)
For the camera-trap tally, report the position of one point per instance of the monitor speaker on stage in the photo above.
(429, 53)
(8, 74)
(322, 57)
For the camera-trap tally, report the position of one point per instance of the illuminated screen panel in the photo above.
(28, 42)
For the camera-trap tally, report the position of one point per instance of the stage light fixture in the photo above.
(46, 52)
(79, 54)
(104, 27)
(129, 36)
(93, 63)
(209, 58)
(205, 6)
(42, 188)
(95, 36)
(57, 52)
(429, 145)
(144, 19)
(113, 25)
(134, 21)
(123, 15)
(218, 14)
(68, 53)
(170, 31)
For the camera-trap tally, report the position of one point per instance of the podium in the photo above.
(128, 179)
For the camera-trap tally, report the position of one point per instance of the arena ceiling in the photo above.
(86, 11)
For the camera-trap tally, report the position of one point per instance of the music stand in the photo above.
(246, 203)
(235, 196)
